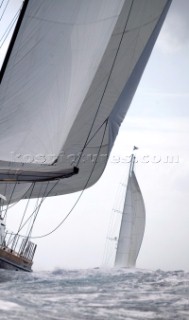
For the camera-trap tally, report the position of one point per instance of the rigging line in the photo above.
(46, 188)
(1, 3)
(31, 227)
(13, 240)
(10, 199)
(26, 207)
(79, 197)
(13, 39)
(9, 26)
(15, 203)
(80, 153)
(10, 206)
(38, 207)
(96, 132)
(107, 82)
(30, 222)
(34, 219)
(23, 236)
(36, 210)
(21, 226)
(8, 29)
(4, 10)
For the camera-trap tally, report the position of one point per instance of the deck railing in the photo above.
(18, 245)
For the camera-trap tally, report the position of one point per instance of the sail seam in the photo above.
(138, 27)
(72, 24)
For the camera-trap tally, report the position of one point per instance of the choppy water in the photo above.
(94, 294)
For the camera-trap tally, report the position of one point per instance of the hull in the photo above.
(12, 261)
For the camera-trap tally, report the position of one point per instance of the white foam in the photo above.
(7, 305)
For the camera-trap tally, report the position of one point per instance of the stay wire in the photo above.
(26, 207)
(1, 3)
(39, 206)
(31, 220)
(4, 9)
(25, 210)
(15, 203)
(80, 154)
(34, 219)
(7, 207)
(8, 29)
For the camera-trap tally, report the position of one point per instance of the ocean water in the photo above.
(94, 294)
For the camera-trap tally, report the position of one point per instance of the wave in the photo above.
(131, 294)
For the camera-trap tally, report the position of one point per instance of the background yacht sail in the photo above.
(68, 83)
(132, 225)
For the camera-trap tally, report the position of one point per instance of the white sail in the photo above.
(66, 84)
(132, 225)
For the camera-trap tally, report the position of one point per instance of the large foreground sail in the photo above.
(68, 79)
(132, 225)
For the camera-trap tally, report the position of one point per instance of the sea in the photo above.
(112, 294)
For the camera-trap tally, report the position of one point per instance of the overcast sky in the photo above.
(158, 123)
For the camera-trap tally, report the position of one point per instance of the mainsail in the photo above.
(67, 81)
(132, 224)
